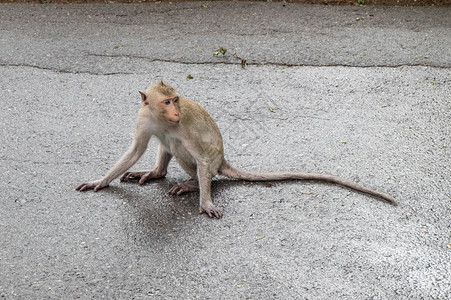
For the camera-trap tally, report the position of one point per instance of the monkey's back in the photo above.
(197, 124)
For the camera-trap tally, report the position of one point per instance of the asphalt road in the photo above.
(359, 92)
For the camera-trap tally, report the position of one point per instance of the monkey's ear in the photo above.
(144, 98)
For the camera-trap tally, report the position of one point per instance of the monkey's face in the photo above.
(169, 109)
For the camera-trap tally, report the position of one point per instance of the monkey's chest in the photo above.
(176, 148)
(183, 157)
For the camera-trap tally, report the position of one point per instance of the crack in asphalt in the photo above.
(58, 70)
(248, 63)
(269, 63)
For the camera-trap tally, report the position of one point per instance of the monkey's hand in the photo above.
(184, 187)
(210, 210)
(95, 185)
(143, 176)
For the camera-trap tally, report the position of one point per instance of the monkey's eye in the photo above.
(175, 99)
(167, 102)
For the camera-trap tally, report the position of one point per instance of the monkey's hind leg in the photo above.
(184, 187)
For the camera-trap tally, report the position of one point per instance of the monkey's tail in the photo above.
(231, 172)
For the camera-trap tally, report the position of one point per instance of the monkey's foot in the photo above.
(184, 187)
(210, 210)
(143, 176)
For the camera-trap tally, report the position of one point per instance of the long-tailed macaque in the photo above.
(186, 130)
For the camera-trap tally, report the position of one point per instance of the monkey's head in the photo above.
(163, 100)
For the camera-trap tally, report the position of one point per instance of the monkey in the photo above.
(186, 131)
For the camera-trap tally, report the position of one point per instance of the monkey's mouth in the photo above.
(173, 121)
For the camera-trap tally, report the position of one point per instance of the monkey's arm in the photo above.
(130, 157)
